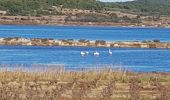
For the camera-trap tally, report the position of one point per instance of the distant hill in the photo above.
(42, 7)
(156, 7)
(25, 7)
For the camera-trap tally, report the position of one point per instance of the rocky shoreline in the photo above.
(82, 42)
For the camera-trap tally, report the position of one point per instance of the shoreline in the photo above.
(18, 41)
(60, 21)
(74, 25)
(89, 25)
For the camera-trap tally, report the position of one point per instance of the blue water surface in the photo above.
(86, 32)
(131, 59)
(128, 58)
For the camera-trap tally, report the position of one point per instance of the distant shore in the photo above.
(83, 43)
(106, 24)
(61, 21)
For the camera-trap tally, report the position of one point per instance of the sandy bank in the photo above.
(83, 43)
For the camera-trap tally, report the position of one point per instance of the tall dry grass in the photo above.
(59, 84)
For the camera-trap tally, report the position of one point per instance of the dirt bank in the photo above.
(61, 20)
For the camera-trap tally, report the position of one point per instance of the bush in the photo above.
(83, 41)
(156, 41)
(101, 42)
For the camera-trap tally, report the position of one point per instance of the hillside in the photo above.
(146, 7)
(44, 7)
(86, 12)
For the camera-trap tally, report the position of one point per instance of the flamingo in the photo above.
(82, 53)
(96, 53)
(87, 52)
(110, 52)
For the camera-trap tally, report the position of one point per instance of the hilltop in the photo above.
(146, 7)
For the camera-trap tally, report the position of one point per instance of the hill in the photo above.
(146, 7)
(43, 7)
(30, 7)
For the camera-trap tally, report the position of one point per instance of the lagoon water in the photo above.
(84, 32)
(131, 59)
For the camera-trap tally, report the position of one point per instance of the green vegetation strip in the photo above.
(42, 7)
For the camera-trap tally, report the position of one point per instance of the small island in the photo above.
(83, 43)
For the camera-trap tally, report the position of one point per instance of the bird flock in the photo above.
(96, 53)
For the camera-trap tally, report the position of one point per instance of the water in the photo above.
(131, 59)
(84, 32)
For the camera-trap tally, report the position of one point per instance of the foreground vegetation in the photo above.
(57, 84)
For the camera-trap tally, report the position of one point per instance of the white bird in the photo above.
(82, 53)
(110, 52)
(87, 53)
(96, 53)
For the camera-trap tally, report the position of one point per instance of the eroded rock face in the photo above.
(85, 43)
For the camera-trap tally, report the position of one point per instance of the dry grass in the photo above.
(57, 84)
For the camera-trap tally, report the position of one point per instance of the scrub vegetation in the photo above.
(58, 84)
(42, 7)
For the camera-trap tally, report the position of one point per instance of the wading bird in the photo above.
(96, 53)
(82, 53)
(110, 52)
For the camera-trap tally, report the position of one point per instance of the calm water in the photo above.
(91, 33)
(132, 59)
